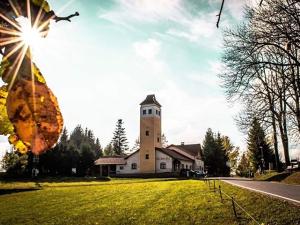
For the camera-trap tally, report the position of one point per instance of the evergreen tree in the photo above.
(108, 150)
(209, 150)
(64, 138)
(87, 158)
(77, 136)
(244, 166)
(223, 169)
(119, 141)
(260, 152)
(215, 158)
(98, 149)
(231, 152)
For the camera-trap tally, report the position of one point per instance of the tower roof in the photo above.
(150, 99)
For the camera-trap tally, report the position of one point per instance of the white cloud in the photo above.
(149, 51)
(145, 10)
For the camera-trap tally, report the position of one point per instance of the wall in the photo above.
(151, 123)
(135, 158)
(161, 157)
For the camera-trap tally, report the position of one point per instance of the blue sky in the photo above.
(104, 63)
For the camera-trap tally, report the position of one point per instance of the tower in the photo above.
(150, 133)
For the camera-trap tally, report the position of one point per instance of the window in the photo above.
(158, 139)
(190, 167)
(156, 112)
(133, 166)
(147, 132)
(144, 112)
(159, 113)
(163, 165)
(147, 156)
(186, 166)
(182, 166)
(121, 167)
(149, 111)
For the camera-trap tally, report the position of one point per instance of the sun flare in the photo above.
(30, 35)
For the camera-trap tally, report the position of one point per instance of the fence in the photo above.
(223, 195)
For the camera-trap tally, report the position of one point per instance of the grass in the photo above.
(287, 178)
(136, 201)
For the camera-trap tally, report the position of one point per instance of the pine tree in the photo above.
(260, 152)
(231, 152)
(119, 141)
(108, 150)
(209, 150)
(98, 149)
(244, 166)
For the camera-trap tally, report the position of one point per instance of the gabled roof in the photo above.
(110, 160)
(150, 99)
(173, 154)
(193, 149)
(132, 154)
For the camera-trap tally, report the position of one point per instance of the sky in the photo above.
(102, 65)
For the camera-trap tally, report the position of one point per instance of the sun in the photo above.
(30, 35)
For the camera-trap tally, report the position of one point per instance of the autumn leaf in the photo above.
(6, 126)
(33, 110)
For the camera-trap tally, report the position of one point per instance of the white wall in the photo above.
(135, 158)
(160, 158)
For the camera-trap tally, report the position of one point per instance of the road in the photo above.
(283, 191)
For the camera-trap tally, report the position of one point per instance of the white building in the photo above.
(152, 158)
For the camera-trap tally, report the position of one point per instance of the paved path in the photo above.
(283, 191)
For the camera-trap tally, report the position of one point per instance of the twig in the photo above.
(67, 18)
(220, 13)
(261, 1)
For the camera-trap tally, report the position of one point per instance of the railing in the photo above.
(223, 195)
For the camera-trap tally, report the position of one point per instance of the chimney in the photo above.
(182, 143)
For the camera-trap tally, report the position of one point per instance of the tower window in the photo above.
(144, 112)
(149, 111)
(159, 113)
(133, 166)
(147, 132)
(147, 156)
(158, 139)
(163, 165)
(156, 112)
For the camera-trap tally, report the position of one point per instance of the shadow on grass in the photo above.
(13, 191)
(278, 177)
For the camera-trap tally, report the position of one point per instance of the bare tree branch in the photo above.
(220, 13)
(67, 18)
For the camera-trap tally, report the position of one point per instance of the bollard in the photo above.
(233, 206)
(220, 191)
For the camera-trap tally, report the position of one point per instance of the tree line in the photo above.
(219, 154)
(74, 154)
(262, 60)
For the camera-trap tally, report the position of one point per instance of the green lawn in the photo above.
(136, 201)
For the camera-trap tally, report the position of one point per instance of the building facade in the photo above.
(152, 158)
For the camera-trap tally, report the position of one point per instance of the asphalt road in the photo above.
(283, 191)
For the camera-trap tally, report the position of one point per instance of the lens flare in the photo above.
(30, 35)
